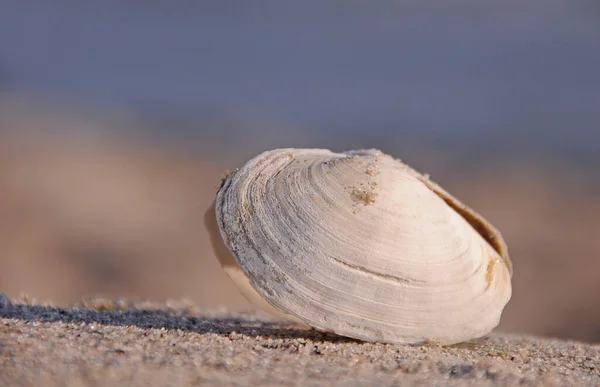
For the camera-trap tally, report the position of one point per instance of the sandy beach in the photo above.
(106, 343)
(119, 121)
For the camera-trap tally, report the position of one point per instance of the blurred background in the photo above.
(118, 118)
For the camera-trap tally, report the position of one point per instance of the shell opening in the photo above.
(480, 225)
(491, 236)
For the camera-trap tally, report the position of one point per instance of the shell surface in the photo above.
(360, 244)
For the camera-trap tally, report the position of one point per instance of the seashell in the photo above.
(360, 244)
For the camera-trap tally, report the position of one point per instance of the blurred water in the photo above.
(502, 76)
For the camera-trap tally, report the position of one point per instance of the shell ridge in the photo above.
(279, 273)
(383, 276)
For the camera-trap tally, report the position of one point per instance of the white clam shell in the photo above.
(360, 244)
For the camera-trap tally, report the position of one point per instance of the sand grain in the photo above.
(166, 345)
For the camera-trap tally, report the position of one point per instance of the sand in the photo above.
(105, 343)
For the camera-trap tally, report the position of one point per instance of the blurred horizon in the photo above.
(477, 77)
